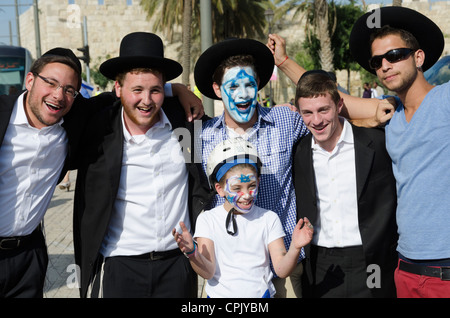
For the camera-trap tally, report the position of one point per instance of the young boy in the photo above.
(236, 240)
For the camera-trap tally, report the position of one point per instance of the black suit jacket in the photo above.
(99, 168)
(6, 108)
(377, 202)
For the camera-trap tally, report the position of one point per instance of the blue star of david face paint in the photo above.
(241, 191)
(239, 92)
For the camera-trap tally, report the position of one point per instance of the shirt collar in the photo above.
(346, 135)
(162, 123)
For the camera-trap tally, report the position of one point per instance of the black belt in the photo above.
(442, 272)
(157, 256)
(13, 242)
(338, 251)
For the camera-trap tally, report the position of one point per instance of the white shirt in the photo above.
(242, 260)
(153, 193)
(336, 193)
(31, 161)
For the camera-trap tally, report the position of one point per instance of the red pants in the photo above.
(418, 286)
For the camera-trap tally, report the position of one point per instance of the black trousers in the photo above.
(339, 272)
(23, 269)
(141, 277)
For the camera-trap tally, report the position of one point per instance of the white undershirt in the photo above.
(152, 196)
(31, 161)
(335, 173)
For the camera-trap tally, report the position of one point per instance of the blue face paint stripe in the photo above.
(233, 197)
(243, 81)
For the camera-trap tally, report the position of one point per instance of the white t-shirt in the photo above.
(242, 260)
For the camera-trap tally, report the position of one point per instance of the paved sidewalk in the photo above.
(58, 232)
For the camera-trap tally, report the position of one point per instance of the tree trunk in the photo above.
(348, 80)
(396, 3)
(186, 41)
(323, 34)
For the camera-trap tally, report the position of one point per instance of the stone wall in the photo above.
(107, 23)
(61, 25)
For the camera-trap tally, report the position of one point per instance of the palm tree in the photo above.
(172, 13)
(238, 18)
(186, 40)
(323, 34)
(230, 18)
(317, 12)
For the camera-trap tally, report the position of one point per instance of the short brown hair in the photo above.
(409, 39)
(316, 84)
(41, 62)
(232, 61)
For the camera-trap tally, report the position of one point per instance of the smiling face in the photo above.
(240, 189)
(45, 105)
(320, 115)
(142, 95)
(239, 93)
(400, 75)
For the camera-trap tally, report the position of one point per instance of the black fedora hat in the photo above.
(427, 33)
(60, 51)
(214, 55)
(141, 49)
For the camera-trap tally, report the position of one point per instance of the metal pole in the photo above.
(17, 23)
(37, 32)
(85, 39)
(10, 34)
(206, 42)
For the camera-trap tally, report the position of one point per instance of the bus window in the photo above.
(15, 63)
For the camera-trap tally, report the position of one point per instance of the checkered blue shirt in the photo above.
(274, 134)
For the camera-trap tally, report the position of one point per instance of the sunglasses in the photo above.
(392, 56)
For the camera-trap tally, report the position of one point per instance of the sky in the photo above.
(7, 14)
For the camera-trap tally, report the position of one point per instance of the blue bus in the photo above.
(15, 63)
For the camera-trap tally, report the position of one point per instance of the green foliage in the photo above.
(309, 54)
(98, 77)
(345, 15)
(230, 18)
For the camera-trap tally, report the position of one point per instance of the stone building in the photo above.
(108, 21)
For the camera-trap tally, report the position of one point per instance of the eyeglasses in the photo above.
(69, 91)
(392, 56)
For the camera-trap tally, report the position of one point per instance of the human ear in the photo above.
(419, 58)
(29, 79)
(340, 105)
(219, 189)
(216, 89)
(117, 89)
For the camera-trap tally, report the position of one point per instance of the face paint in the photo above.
(239, 91)
(242, 201)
